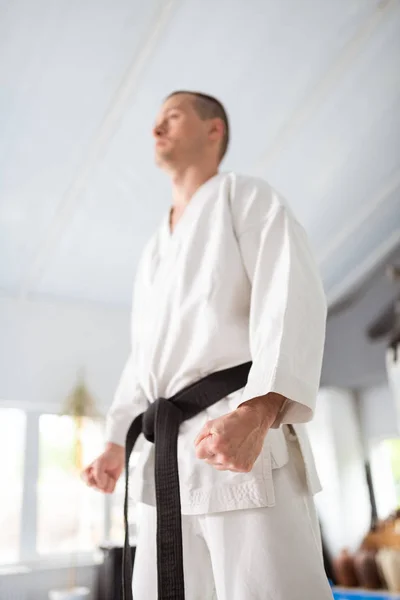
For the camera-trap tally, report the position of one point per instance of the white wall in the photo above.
(343, 505)
(43, 345)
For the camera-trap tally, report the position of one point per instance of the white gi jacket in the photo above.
(235, 282)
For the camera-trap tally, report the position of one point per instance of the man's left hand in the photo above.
(234, 442)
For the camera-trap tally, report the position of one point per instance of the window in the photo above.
(393, 447)
(385, 469)
(70, 515)
(45, 508)
(12, 441)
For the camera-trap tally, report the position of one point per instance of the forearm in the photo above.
(268, 408)
(115, 447)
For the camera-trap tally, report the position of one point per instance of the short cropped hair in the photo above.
(208, 107)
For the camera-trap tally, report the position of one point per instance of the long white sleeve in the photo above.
(127, 404)
(288, 306)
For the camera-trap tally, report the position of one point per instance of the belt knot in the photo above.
(149, 416)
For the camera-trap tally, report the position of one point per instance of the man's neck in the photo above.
(186, 182)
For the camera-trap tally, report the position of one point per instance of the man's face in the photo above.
(180, 135)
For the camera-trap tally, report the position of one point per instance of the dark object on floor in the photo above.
(109, 581)
(367, 569)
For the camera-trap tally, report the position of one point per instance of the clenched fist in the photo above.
(234, 441)
(104, 472)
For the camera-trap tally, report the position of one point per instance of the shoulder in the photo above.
(247, 184)
(253, 200)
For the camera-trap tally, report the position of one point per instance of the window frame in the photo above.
(28, 554)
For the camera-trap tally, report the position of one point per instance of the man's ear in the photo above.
(216, 129)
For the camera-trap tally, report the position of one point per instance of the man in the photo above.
(228, 278)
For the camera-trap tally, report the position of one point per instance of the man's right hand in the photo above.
(104, 472)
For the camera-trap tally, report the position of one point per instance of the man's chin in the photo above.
(163, 160)
(160, 163)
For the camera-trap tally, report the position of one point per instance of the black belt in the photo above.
(160, 425)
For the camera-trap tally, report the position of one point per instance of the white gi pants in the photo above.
(271, 553)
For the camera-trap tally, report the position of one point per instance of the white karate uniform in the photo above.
(271, 553)
(234, 282)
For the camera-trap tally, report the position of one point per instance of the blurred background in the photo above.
(312, 88)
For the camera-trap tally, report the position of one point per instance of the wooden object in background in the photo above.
(343, 566)
(366, 569)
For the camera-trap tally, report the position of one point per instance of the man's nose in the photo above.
(159, 130)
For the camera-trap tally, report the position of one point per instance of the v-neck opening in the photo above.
(171, 235)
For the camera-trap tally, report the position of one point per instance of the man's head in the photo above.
(191, 128)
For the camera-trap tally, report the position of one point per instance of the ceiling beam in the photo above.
(363, 270)
(324, 87)
(352, 224)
